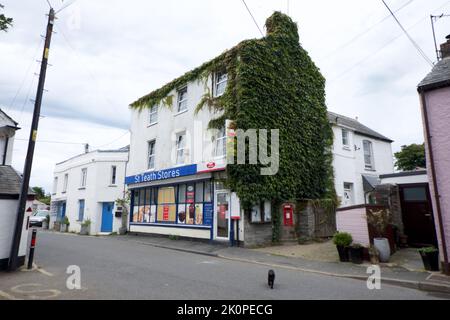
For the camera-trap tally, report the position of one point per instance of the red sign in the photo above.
(166, 213)
(211, 165)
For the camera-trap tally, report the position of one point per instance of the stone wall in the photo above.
(257, 234)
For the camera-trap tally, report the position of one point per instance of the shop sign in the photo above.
(207, 214)
(162, 174)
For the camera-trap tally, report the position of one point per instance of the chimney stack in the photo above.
(445, 48)
(86, 148)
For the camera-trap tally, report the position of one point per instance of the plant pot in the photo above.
(63, 228)
(57, 226)
(85, 230)
(356, 254)
(343, 253)
(430, 260)
(382, 245)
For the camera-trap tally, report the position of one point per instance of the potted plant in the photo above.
(379, 220)
(356, 253)
(430, 258)
(64, 224)
(374, 255)
(342, 240)
(85, 227)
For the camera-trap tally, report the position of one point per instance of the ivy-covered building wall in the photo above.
(272, 84)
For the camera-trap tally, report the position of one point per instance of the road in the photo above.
(119, 268)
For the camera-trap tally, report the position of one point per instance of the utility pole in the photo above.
(13, 259)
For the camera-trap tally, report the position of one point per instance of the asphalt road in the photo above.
(112, 268)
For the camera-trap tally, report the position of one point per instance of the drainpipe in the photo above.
(435, 186)
(5, 151)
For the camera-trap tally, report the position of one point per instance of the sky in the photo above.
(107, 53)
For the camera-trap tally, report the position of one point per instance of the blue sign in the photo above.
(208, 214)
(162, 174)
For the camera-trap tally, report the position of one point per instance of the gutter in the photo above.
(435, 186)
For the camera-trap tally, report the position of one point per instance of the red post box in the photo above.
(288, 212)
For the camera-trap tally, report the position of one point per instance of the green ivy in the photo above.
(272, 84)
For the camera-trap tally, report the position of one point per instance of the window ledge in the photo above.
(82, 188)
(180, 112)
(113, 186)
(371, 170)
(346, 148)
(152, 124)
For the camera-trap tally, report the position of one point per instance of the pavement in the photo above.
(144, 267)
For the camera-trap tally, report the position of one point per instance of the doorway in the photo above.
(417, 215)
(107, 217)
(222, 215)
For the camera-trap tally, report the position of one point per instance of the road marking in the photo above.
(35, 267)
(45, 272)
(53, 293)
(7, 296)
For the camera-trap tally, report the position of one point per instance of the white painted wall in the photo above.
(354, 221)
(199, 139)
(348, 163)
(98, 186)
(8, 210)
(4, 135)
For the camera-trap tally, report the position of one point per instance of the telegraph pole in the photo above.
(13, 259)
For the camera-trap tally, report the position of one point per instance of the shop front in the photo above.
(181, 201)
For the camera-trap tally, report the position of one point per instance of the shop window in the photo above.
(208, 191)
(261, 212)
(166, 208)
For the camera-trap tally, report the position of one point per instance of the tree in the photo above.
(41, 195)
(5, 22)
(411, 157)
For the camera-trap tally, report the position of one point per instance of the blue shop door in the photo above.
(107, 217)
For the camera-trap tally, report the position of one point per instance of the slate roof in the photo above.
(8, 117)
(439, 76)
(10, 181)
(335, 118)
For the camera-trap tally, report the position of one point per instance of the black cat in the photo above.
(271, 278)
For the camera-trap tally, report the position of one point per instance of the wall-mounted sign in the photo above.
(162, 174)
(207, 214)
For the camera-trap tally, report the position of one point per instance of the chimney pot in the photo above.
(445, 48)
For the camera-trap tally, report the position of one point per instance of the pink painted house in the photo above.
(434, 92)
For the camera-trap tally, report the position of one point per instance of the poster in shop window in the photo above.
(166, 213)
(198, 214)
(207, 213)
(191, 214)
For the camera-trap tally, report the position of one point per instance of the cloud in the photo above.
(107, 53)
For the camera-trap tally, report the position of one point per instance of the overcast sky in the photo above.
(107, 53)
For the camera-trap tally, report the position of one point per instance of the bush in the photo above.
(86, 223)
(357, 245)
(428, 249)
(65, 220)
(342, 239)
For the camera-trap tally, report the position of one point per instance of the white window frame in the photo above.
(350, 191)
(220, 143)
(180, 159)
(83, 178)
(55, 185)
(153, 115)
(151, 156)
(345, 138)
(113, 175)
(180, 101)
(217, 83)
(66, 180)
(368, 165)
